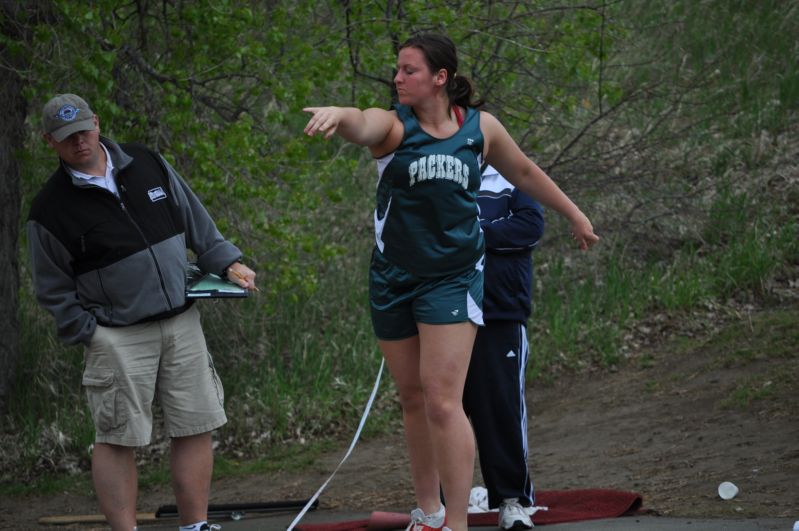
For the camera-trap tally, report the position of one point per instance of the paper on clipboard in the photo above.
(208, 285)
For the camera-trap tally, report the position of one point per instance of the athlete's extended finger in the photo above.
(310, 126)
(587, 241)
(314, 125)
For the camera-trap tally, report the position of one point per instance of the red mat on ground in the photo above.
(564, 506)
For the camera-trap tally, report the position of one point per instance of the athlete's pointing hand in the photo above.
(324, 120)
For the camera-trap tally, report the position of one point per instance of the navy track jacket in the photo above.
(512, 225)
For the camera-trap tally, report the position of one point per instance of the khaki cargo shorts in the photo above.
(126, 367)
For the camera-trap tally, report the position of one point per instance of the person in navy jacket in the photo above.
(512, 225)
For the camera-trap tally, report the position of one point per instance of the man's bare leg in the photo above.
(192, 462)
(116, 484)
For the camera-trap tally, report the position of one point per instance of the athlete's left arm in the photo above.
(504, 154)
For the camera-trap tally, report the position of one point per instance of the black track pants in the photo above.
(494, 400)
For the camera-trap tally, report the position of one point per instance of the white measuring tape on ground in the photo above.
(349, 451)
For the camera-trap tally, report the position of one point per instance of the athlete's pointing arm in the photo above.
(365, 128)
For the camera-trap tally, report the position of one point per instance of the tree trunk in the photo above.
(12, 135)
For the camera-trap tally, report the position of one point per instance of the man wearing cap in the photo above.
(107, 236)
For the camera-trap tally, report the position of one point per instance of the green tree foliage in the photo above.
(217, 88)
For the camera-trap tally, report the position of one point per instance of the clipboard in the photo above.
(201, 285)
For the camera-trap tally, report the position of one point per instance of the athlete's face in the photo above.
(414, 80)
(80, 150)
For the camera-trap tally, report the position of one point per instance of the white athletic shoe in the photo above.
(428, 522)
(513, 516)
(478, 500)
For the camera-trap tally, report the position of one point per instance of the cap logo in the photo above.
(67, 113)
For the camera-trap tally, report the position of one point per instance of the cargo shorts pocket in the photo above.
(104, 400)
(217, 382)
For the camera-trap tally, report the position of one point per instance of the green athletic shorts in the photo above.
(399, 299)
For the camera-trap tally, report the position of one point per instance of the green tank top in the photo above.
(426, 218)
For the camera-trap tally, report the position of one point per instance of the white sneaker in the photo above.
(427, 522)
(513, 516)
(478, 500)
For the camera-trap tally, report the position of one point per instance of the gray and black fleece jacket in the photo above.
(115, 261)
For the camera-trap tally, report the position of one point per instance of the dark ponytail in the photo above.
(439, 52)
(461, 91)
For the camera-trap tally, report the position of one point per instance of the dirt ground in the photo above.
(666, 425)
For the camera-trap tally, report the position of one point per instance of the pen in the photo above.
(239, 275)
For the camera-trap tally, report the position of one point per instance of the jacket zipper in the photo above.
(110, 304)
(149, 247)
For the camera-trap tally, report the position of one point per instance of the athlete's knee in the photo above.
(411, 399)
(442, 410)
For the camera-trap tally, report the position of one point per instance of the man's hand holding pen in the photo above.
(242, 275)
